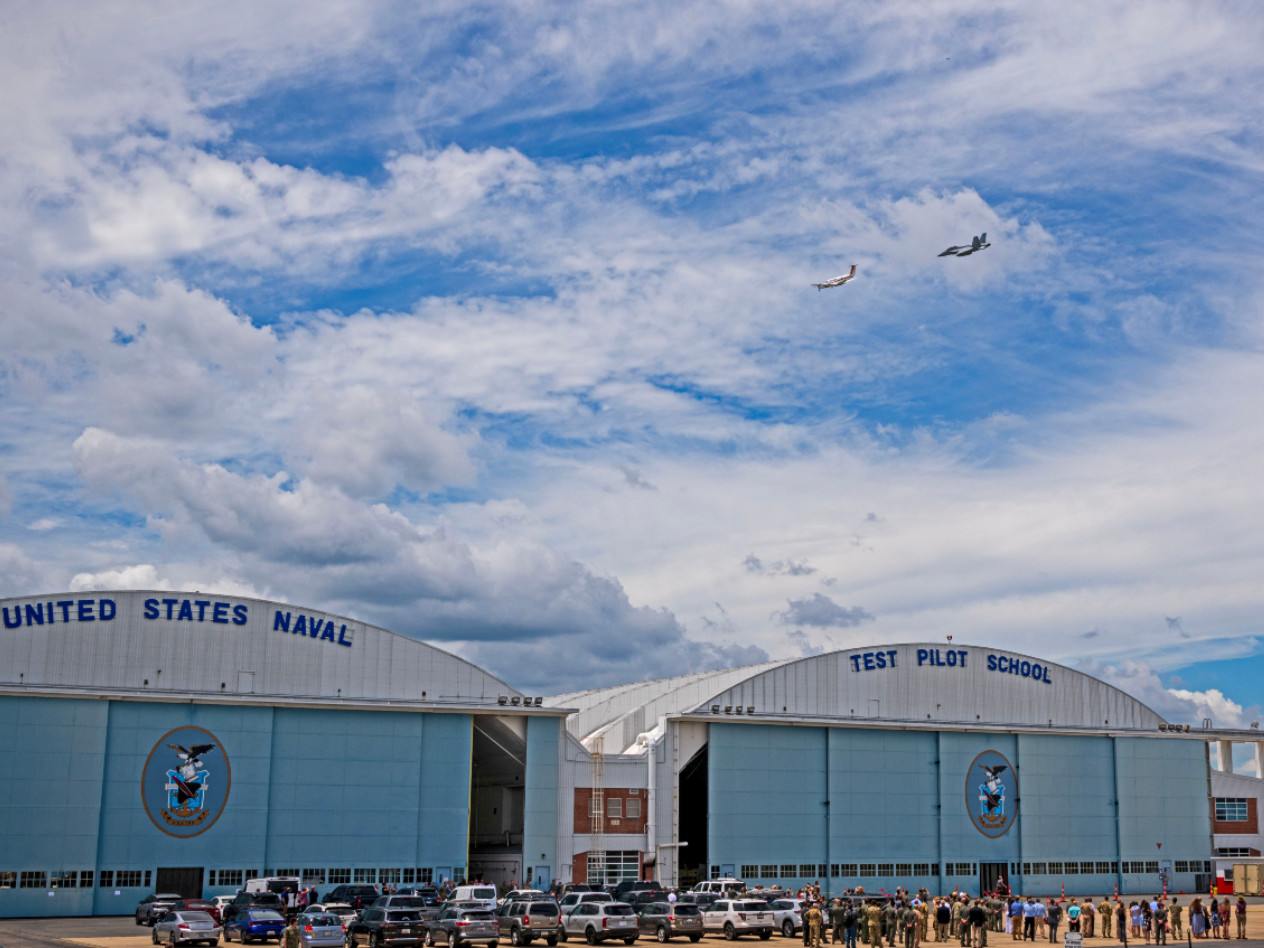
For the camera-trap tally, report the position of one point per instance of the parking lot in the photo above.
(123, 933)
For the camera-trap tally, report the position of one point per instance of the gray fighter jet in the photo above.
(979, 243)
(839, 280)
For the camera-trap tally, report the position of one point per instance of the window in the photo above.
(768, 871)
(1071, 868)
(313, 876)
(807, 869)
(8, 880)
(339, 876)
(959, 869)
(1104, 868)
(613, 866)
(1232, 851)
(868, 869)
(921, 869)
(1182, 865)
(33, 880)
(285, 873)
(231, 877)
(425, 875)
(787, 870)
(903, 868)
(614, 808)
(252, 873)
(148, 878)
(1151, 866)
(388, 875)
(750, 872)
(886, 869)
(594, 804)
(107, 878)
(1038, 869)
(633, 808)
(127, 878)
(1055, 868)
(848, 869)
(1231, 809)
(365, 875)
(85, 879)
(63, 880)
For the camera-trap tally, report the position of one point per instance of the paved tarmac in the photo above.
(124, 933)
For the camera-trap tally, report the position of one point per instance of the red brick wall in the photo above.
(1250, 826)
(583, 813)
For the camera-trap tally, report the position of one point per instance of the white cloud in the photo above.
(148, 576)
(43, 524)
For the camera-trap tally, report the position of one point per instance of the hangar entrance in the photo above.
(692, 856)
(185, 881)
(990, 873)
(497, 773)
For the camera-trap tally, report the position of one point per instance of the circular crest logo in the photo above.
(992, 794)
(186, 780)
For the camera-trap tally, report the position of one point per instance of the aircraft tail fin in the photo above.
(984, 239)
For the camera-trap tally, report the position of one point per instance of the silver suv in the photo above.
(601, 921)
(524, 921)
(736, 917)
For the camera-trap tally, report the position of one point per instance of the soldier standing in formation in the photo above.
(1105, 913)
(812, 922)
(1088, 919)
(873, 925)
(1174, 912)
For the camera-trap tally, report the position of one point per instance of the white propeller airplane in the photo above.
(979, 243)
(839, 280)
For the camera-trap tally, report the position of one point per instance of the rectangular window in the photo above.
(425, 875)
(903, 868)
(33, 880)
(594, 805)
(715, 870)
(616, 865)
(750, 872)
(921, 868)
(365, 875)
(66, 879)
(1055, 868)
(285, 873)
(868, 869)
(339, 876)
(787, 870)
(1152, 866)
(149, 878)
(849, 869)
(107, 878)
(1038, 869)
(807, 869)
(1238, 851)
(127, 878)
(85, 878)
(768, 871)
(614, 808)
(410, 875)
(633, 809)
(1071, 868)
(1103, 868)
(8, 880)
(391, 876)
(1181, 865)
(1231, 809)
(313, 876)
(886, 869)
(254, 874)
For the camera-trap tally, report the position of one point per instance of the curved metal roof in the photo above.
(909, 683)
(230, 646)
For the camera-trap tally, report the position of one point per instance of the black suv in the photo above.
(628, 886)
(378, 927)
(357, 896)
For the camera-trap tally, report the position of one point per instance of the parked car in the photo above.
(155, 904)
(665, 920)
(415, 902)
(638, 898)
(462, 924)
(277, 884)
(222, 902)
(252, 923)
(378, 927)
(627, 886)
(346, 914)
(700, 899)
(579, 887)
(321, 930)
(571, 899)
(721, 887)
(185, 927)
(524, 895)
(736, 917)
(199, 905)
(357, 896)
(600, 921)
(480, 892)
(523, 921)
(787, 915)
(248, 900)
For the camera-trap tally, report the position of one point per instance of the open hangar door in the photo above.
(497, 790)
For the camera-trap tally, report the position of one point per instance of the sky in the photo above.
(493, 324)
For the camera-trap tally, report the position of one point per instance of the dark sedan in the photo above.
(378, 927)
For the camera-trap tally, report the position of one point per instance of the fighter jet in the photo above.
(979, 243)
(839, 280)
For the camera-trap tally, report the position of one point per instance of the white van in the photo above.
(480, 892)
(728, 886)
(281, 885)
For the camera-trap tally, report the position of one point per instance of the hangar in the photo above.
(187, 742)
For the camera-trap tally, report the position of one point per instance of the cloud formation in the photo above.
(822, 612)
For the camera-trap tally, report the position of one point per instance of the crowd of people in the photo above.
(907, 920)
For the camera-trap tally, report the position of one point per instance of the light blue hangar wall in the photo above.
(540, 801)
(886, 808)
(310, 789)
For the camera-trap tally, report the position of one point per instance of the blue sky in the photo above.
(493, 324)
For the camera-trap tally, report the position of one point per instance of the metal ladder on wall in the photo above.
(597, 811)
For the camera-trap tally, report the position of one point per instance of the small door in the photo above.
(185, 880)
(990, 873)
